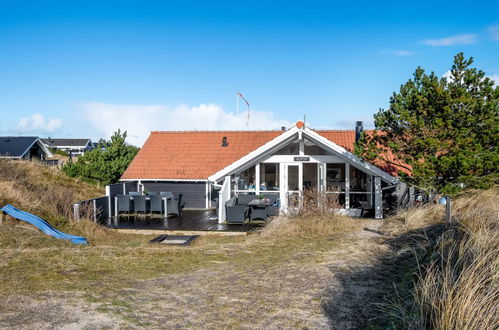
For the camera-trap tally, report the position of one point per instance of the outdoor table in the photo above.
(165, 198)
(259, 202)
(260, 205)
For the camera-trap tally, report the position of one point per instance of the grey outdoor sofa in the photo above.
(235, 213)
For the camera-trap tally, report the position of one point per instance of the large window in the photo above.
(246, 179)
(290, 149)
(359, 181)
(335, 177)
(269, 176)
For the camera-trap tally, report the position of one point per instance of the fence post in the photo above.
(95, 210)
(76, 211)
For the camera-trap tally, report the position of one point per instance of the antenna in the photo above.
(304, 118)
(237, 104)
(20, 130)
(240, 95)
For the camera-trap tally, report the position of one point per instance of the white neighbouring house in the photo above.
(73, 147)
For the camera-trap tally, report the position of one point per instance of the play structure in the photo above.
(41, 224)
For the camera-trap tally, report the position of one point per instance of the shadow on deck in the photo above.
(191, 220)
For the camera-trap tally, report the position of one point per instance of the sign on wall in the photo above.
(302, 159)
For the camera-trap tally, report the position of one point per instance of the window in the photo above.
(269, 176)
(290, 149)
(246, 179)
(335, 177)
(359, 181)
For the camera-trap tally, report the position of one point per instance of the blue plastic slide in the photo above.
(41, 224)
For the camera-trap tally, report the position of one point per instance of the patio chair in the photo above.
(273, 210)
(124, 203)
(156, 204)
(175, 206)
(139, 202)
(235, 213)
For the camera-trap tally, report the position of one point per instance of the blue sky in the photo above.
(78, 69)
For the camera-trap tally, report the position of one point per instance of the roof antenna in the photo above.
(304, 117)
(240, 95)
(20, 130)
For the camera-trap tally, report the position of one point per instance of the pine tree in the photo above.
(445, 129)
(106, 163)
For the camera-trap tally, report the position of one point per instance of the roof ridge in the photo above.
(250, 131)
(217, 131)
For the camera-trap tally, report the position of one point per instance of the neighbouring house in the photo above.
(23, 148)
(208, 167)
(73, 147)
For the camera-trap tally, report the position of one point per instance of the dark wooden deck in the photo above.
(191, 220)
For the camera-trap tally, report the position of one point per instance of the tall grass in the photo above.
(458, 284)
(312, 216)
(40, 189)
(460, 288)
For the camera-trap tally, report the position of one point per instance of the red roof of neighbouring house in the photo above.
(195, 155)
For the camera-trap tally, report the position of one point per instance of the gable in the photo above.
(16, 146)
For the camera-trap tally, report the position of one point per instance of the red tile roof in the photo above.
(195, 155)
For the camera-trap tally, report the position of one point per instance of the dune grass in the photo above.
(457, 284)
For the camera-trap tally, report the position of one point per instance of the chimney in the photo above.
(283, 128)
(358, 129)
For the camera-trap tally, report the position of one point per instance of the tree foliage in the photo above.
(106, 163)
(445, 129)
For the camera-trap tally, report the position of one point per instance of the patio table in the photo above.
(259, 207)
(165, 198)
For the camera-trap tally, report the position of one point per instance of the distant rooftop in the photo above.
(15, 146)
(53, 143)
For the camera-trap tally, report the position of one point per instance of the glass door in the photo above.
(291, 186)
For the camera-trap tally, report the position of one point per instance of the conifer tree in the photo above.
(446, 129)
(106, 163)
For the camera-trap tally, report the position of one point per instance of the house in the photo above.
(23, 148)
(208, 167)
(73, 147)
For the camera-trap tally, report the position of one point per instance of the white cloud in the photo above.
(494, 32)
(38, 125)
(495, 77)
(398, 52)
(460, 39)
(140, 120)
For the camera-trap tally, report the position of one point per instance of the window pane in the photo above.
(293, 180)
(359, 181)
(246, 179)
(269, 176)
(335, 177)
